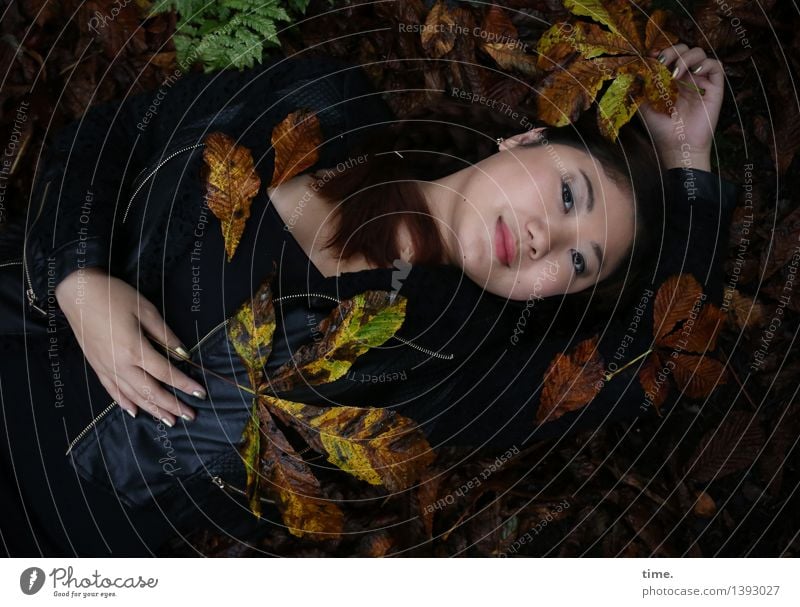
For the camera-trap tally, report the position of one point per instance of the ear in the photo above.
(530, 136)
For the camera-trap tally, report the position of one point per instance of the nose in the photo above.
(538, 237)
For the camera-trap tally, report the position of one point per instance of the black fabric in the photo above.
(477, 390)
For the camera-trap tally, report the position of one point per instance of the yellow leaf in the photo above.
(617, 104)
(232, 183)
(353, 327)
(375, 445)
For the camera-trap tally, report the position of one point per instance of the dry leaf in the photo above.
(296, 140)
(584, 55)
(375, 445)
(232, 183)
(355, 325)
(571, 381)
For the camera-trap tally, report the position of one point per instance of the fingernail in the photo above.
(661, 58)
(182, 351)
(675, 71)
(199, 394)
(131, 413)
(166, 421)
(186, 417)
(697, 69)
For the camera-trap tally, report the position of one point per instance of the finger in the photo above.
(115, 392)
(153, 398)
(160, 368)
(710, 69)
(669, 53)
(156, 327)
(128, 405)
(687, 60)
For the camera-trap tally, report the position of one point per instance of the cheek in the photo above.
(548, 279)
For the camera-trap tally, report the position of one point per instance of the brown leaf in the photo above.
(676, 298)
(439, 32)
(296, 140)
(427, 493)
(510, 55)
(705, 507)
(697, 376)
(297, 492)
(648, 376)
(745, 312)
(376, 445)
(571, 381)
(784, 245)
(584, 55)
(731, 447)
(232, 183)
(699, 333)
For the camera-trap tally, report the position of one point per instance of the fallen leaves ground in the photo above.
(715, 477)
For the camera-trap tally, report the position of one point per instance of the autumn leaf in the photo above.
(355, 325)
(501, 43)
(296, 140)
(439, 32)
(571, 381)
(252, 327)
(373, 444)
(232, 183)
(583, 56)
(683, 332)
(288, 479)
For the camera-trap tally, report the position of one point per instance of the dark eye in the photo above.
(578, 262)
(566, 194)
(566, 190)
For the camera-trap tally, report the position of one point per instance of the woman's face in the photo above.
(521, 233)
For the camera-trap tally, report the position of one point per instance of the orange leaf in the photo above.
(439, 32)
(675, 299)
(296, 140)
(564, 94)
(571, 381)
(655, 37)
(584, 55)
(648, 376)
(697, 376)
(232, 183)
(699, 336)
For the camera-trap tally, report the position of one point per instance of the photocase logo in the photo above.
(402, 268)
(31, 580)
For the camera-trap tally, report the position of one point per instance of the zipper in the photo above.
(447, 356)
(224, 323)
(222, 484)
(153, 172)
(29, 291)
(106, 411)
(14, 262)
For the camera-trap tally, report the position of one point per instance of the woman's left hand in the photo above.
(698, 112)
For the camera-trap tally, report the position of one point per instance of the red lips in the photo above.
(504, 243)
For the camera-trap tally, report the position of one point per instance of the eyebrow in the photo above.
(589, 207)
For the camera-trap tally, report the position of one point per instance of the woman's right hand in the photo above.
(110, 319)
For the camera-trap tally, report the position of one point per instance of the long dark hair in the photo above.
(374, 197)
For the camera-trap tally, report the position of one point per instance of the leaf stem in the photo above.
(609, 376)
(691, 86)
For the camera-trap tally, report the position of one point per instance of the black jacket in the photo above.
(132, 209)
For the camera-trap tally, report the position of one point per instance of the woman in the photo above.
(123, 248)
